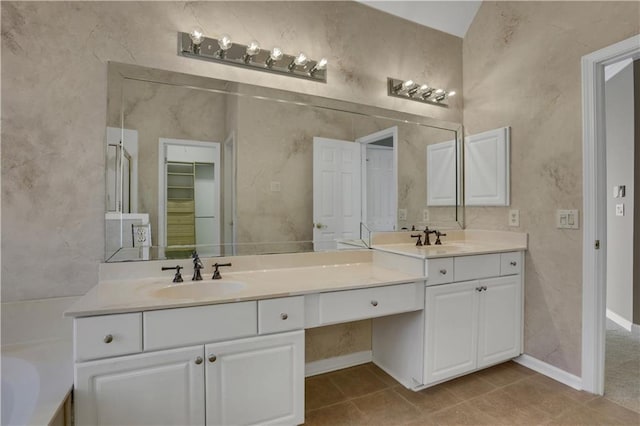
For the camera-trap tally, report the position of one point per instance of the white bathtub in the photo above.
(20, 389)
(36, 380)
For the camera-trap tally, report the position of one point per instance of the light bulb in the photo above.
(426, 94)
(424, 87)
(276, 54)
(451, 93)
(225, 42)
(253, 48)
(322, 64)
(301, 59)
(196, 35)
(440, 97)
(407, 84)
(439, 91)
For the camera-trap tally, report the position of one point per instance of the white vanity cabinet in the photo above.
(472, 318)
(471, 325)
(235, 379)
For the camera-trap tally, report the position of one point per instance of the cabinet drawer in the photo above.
(439, 271)
(276, 315)
(510, 263)
(170, 328)
(351, 305)
(476, 267)
(107, 335)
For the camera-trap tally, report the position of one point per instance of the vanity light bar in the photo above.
(223, 50)
(408, 89)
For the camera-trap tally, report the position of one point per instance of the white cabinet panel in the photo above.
(499, 324)
(258, 380)
(161, 388)
(451, 312)
(441, 174)
(486, 168)
(107, 335)
(169, 328)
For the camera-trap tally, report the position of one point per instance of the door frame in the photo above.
(364, 141)
(162, 190)
(594, 292)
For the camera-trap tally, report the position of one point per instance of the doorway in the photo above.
(189, 197)
(595, 191)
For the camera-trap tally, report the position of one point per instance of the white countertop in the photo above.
(453, 248)
(119, 296)
(52, 363)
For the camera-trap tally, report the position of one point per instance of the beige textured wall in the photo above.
(522, 69)
(54, 76)
(54, 109)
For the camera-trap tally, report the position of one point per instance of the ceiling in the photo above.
(452, 16)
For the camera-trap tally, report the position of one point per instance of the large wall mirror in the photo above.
(231, 169)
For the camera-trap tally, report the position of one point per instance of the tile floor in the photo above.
(507, 394)
(622, 366)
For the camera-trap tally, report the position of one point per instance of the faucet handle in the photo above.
(178, 277)
(419, 237)
(438, 235)
(216, 272)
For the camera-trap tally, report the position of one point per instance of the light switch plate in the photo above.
(275, 186)
(568, 219)
(514, 217)
(425, 215)
(619, 209)
(402, 214)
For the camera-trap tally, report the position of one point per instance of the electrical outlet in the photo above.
(275, 186)
(141, 236)
(619, 209)
(425, 215)
(514, 217)
(402, 214)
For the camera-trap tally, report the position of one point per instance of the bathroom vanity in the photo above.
(231, 351)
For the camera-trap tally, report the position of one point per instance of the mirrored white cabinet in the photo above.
(487, 168)
(227, 168)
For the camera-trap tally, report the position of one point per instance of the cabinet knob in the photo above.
(108, 338)
(513, 263)
(443, 271)
(212, 358)
(284, 316)
(198, 360)
(478, 288)
(374, 303)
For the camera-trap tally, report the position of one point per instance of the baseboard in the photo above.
(622, 322)
(550, 371)
(336, 363)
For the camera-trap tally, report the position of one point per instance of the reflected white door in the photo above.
(336, 192)
(380, 188)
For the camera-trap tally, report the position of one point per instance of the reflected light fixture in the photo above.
(223, 50)
(408, 89)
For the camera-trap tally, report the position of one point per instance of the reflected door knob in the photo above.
(320, 225)
(514, 263)
(443, 271)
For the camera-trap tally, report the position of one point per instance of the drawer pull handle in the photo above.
(108, 338)
(374, 302)
(212, 358)
(284, 316)
(443, 271)
(513, 263)
(198, 360)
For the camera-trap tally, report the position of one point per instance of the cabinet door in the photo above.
(500, 320)
(259, 380)
(451, 311)
(159, 388)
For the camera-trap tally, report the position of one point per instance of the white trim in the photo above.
(621, 321)
(550, 371)
(594, 216)
(337, 363)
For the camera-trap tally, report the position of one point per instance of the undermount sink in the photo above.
(200, 289)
